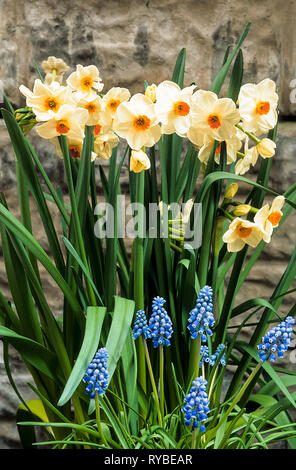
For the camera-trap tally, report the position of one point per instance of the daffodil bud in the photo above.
(139, 161)
(266, 148)
(231, 191)
(151, 92)
(240, 210)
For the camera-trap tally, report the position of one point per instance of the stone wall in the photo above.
(131, 41)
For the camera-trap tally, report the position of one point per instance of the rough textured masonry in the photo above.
(131, 41)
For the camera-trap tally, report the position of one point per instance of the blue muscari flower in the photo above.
(201, 318)
(97, 375)
(196, 406)
(204, 354)
(214, 357)
(140, 326)
(276, 341)
(205, 357)
(160, 324)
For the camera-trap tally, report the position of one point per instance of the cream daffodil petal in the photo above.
(277, 203)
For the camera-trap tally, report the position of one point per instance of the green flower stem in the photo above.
(138, 259)
(193, 441)
(176, 231)
(98, 419)
(240, 154)
(249, 134)
(226, 214)
(161, 379)
(206, 243)
(212, 383)
(150, 370)
(175, 247)
(218, 232)
(194, 359)
(240, 394)
(76, 222)
(178, 239)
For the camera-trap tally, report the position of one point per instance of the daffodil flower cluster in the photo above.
(141, 119)
(65, 108)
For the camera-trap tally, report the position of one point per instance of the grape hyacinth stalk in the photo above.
(141, 326)
(161, 330)
(201, 320)
(196, 407)
(216, 359)
(211, 359)
(275, 341)
(141, 329)
(97, 377)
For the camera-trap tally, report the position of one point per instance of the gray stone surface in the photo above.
(131, 40)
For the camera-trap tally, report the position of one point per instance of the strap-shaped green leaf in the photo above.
(219, 80)
(13, 224)
(120, 328)
(34, 353)
(94, 322)
(23, 155)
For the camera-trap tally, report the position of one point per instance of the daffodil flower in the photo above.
(54, 69)
(137, 122)
(258, 106)
(269, 217)
(150, 92)
(69, 121)
(113, 99)
(233, 145)
(139, 161)
(265, 148)
(93, 105)
(46, 100)
(75, 148)
(241, 232)
(212, 118)
(85, 80)
(104, 143)
(173, 107)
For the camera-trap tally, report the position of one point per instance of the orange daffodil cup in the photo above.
(141, 120)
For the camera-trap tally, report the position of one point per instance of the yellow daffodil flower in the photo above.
(258, 106)
(212, 118)
(69, 121)
(139, 161)
(173, 107)
(137, 122)
(241, 232)
(46, 100)
(113, 99)
(269, 217)
(150, 92)
(85, 80)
